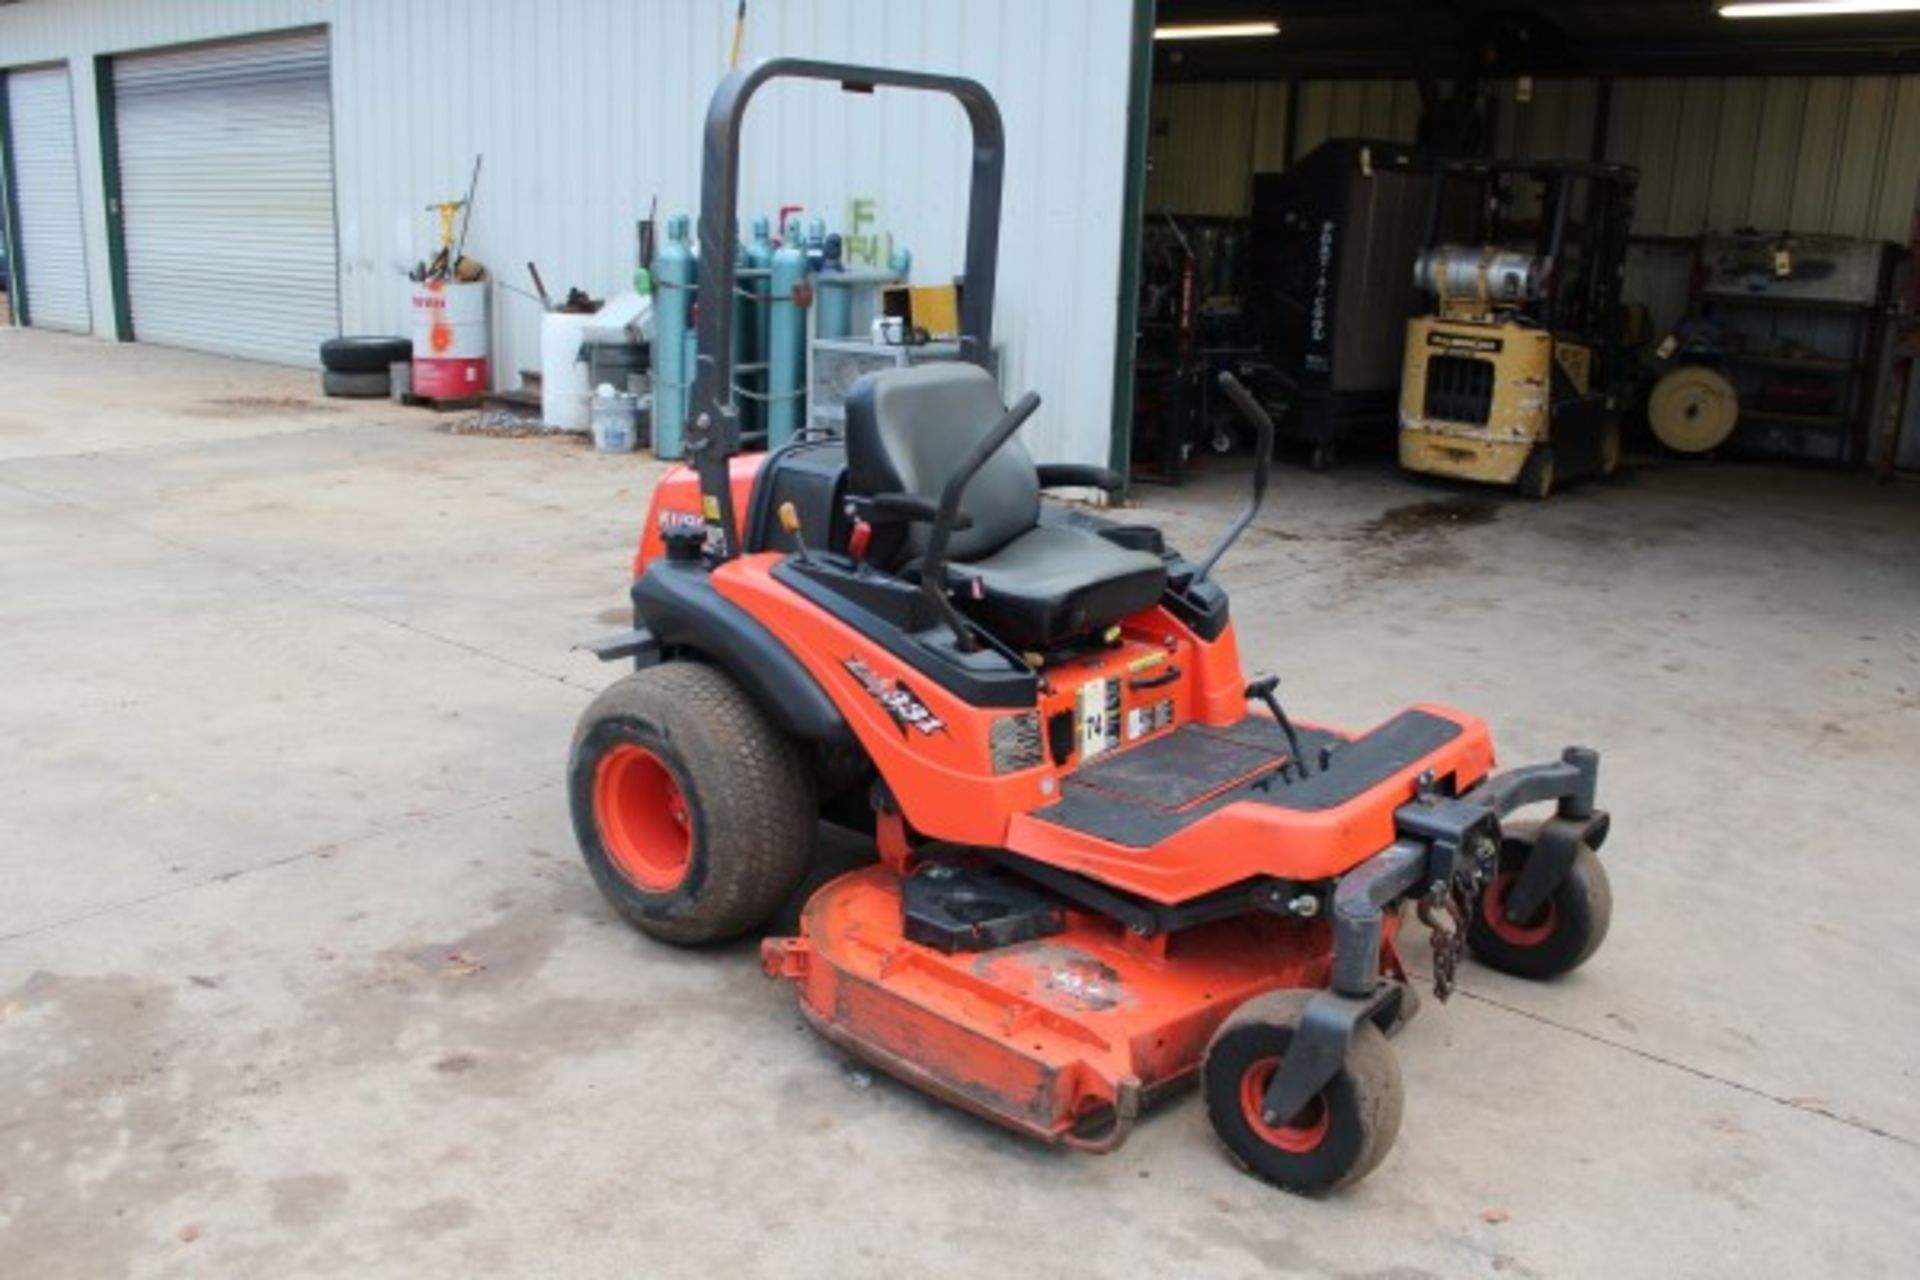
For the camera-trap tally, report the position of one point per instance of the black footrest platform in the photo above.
(1140, 797)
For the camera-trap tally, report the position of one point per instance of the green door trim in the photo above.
(110, 194)
(16, 262)
(1133, 202)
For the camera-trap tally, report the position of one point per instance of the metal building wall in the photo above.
(1816, 154)
(588, 109)
(1813, 154)
(1388, 109)
(1557, 124)
(1206, 142)
(1208, 139)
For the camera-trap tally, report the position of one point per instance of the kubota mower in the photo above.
(1108, 863)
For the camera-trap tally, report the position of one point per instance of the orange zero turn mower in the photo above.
(1108, 864)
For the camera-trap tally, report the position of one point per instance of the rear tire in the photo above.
(1344, 1132)
(1561, 936)
(695, 814)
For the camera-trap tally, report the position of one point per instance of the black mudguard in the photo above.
(679, 605)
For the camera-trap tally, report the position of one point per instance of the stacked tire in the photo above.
(361, 367)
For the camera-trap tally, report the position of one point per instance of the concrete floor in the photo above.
(300, 973)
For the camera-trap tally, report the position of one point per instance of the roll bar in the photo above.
(713, 434)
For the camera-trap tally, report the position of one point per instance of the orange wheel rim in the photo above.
(1493, 905)
(1299, 1138)
(642, 817)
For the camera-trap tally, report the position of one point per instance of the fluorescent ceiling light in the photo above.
(1816, 8)
(1223, 30)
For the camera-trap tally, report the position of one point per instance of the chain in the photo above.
(1449, 935)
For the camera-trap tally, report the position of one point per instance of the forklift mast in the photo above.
(713, 434)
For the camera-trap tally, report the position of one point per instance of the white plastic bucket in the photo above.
(616, 426)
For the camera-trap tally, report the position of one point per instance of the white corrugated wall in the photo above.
(46, 194)
(587, 109)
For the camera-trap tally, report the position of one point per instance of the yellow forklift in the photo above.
(1512, 379)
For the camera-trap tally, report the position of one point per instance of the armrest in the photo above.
(1078, 475)
(908, 508)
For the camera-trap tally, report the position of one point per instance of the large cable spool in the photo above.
(1693, 409)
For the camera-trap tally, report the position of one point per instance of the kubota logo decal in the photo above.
(898, 700)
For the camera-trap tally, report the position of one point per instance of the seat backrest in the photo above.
(908, 431)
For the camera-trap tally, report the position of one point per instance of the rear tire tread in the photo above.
(747, 787)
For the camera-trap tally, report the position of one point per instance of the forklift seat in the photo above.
(1032, 586)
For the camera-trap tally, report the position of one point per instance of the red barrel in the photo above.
(449, 340)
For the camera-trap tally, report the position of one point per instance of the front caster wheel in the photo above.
(1341, 1135)
(695, 813)
(1561, 936)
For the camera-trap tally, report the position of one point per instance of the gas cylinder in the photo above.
(673, 279)
(1479, 275)
(816, 245)
(832, 294)
(759, 262)
(752, 419)
(787, 338)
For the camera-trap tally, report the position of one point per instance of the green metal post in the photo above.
(16, 264)
(1133, 201)
(110, 188)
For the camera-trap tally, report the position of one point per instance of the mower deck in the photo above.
(1064, 1037)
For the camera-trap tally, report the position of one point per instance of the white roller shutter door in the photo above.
(226, 186)
(46, 173)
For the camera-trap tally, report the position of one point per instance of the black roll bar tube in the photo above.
(713, 433)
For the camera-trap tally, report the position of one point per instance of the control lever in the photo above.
(1264, 689)
(790, 521)
(1262, 465)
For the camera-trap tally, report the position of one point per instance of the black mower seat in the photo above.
(1030, 585)
(1055, 582)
